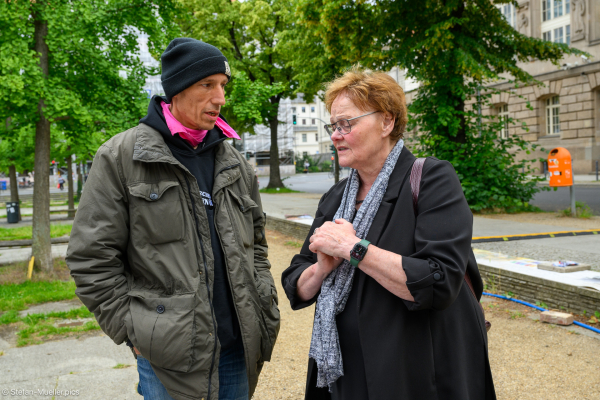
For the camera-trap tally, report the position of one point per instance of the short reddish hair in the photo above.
(371, 91)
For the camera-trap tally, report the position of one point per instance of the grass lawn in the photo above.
(278, 190)
(37, 328)
(25, 232)
(20, 296)
(17, 293)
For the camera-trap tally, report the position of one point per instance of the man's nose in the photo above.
(219, 97)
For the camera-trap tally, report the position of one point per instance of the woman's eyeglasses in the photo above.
(343, 125)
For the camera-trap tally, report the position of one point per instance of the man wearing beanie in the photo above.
(168, 245)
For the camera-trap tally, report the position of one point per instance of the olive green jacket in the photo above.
(142, 261)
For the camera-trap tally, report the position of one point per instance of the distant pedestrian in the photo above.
(61, 183)
(395, 316)
(168, 248)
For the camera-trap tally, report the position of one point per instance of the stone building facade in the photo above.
(565, 110)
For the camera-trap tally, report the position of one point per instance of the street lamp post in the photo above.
(336, 172)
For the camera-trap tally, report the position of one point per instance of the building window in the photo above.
(510, 13)
(556, 21)
(303, 121)
(503, 117)
(312, 109)
(314, 121)
(555, 9)
(316, 137)
(303, 109)
(553, 115)
(293, 110)
(304, 138)
(558, 35)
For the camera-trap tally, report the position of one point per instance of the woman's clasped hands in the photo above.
(332, 242)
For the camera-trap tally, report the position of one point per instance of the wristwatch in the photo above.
(358, 252)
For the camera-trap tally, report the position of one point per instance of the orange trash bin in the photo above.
(560, 167)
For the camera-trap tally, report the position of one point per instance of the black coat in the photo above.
(436, 346)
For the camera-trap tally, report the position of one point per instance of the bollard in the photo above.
(30, 268)
(573, 208)
(596, 170)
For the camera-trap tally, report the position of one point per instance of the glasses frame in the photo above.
(331, 128)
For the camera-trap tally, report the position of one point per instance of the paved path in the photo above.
(29, 210)
(280, 205)
(561, 198)
(495, 227)
(83, 365)
(28, 221)
(14, 255)
(586, 190)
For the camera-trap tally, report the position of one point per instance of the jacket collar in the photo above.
(150, 147)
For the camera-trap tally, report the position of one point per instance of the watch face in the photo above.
(358, 251)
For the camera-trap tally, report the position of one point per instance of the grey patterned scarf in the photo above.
(325, 345)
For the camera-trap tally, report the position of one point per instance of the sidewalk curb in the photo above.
(28, 242)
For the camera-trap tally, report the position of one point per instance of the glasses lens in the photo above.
(344, 126)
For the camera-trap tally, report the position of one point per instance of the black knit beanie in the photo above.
(186, 61)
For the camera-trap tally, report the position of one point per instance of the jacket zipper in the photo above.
(237, 314)
(212, 311)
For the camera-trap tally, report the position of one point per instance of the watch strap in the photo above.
(363, 243)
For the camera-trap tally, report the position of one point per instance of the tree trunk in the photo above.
(14, 186)
(41, 248)
(69, 161)
(274, 174)
(79, 180)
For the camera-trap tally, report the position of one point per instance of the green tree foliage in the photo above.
(71, 68)
(452, 47)
(262, 40)
(247, 102)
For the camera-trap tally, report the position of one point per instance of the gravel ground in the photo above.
(529, 359)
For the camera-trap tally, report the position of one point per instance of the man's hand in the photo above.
(136, 351)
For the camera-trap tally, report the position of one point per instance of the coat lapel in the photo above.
(397, 179)
(399, 175)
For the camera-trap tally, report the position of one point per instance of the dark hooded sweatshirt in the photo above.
(201, 163)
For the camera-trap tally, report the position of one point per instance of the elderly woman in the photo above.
(395, 317)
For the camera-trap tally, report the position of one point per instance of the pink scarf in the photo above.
(193, 136)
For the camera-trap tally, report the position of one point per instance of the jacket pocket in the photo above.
(269, 321)
(156, 212)
(162, 329)
(241, 208)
